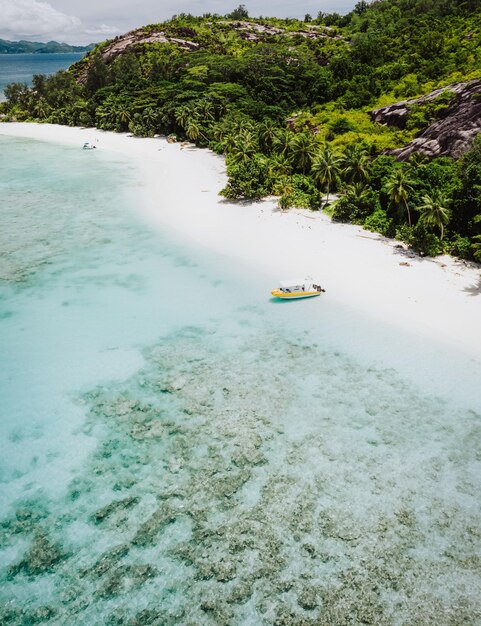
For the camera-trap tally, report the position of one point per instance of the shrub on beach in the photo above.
(357, 203)
(247, 180)
(343, 210)
(420, 239)
(379, 222)
(461, 247)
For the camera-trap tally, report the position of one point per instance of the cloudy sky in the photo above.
(86, 21)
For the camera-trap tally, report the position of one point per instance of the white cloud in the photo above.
(37, 20)
(103, 29)
(31, 18)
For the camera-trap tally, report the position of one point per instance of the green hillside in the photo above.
(288, 101)
(37, 47)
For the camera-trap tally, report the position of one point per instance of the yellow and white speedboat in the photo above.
(295, 289)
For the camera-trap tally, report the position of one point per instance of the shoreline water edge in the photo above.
(435, 298)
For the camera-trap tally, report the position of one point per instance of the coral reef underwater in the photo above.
(256, 481)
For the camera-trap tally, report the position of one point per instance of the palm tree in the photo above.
(279, 172)
(355, 164)
(150, 117)
(267, 133)
(357, 193)
(206, 110)
(123, 116)
(183, 115)
(399, 186)
(303, 150)
(279, 166)
(244, 148)
(107, 116)
(282, 141)
(42, 108)
(286, 185)
(284, 188)
(227, 140)
(325, 168)
(434, 212)
(187, 118)
(476, 247)
(228, 133)
(417, 159)
(192, 130)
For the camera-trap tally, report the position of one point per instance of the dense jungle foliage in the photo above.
(287, 102)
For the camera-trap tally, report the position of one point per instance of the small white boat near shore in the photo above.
(296, 288)
(88, 145)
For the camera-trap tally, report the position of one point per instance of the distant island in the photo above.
(38, 47)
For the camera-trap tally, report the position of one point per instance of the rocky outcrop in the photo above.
(253, 31)
(135, 38)
(251, 26)
(138, 37)
(450, 136)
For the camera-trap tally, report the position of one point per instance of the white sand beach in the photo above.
(437, 298)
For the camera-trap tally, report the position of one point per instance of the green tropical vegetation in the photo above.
(287, 102)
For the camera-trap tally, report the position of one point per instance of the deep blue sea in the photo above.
(20, 68)
(179, 449)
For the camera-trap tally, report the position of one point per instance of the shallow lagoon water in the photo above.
(20, 68)
(178, 449)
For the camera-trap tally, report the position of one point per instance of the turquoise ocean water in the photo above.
(179, 449)
(20, 68)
